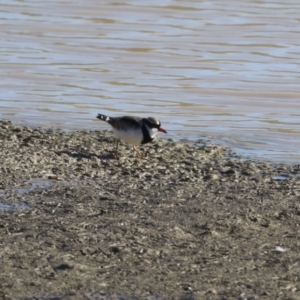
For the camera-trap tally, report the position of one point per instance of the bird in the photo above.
(133, 130)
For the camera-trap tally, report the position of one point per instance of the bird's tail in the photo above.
(103, 117)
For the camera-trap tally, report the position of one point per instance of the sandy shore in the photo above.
(194, 221)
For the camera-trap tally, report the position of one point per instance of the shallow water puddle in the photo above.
(7, 207)
(95, 295)
(30, 186)
(281, 177)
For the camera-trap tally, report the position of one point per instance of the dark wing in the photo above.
(126, 122)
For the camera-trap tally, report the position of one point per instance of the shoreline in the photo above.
(258, 155)
(191, 222)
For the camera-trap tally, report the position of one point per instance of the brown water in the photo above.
(221, 69)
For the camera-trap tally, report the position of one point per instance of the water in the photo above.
(30, 186)
(207, 69)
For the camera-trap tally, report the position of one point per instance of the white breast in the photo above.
(132, 137)
(152, 131)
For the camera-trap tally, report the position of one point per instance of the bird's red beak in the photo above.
(162, 130)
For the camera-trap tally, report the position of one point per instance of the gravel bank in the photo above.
(194, 221)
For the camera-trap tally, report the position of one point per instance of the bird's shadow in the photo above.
(79, 155)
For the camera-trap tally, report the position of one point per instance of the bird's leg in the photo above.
(116, 149)
(139, 154)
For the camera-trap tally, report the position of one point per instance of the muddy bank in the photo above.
(191, 222)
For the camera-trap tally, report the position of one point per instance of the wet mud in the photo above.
(193, 221)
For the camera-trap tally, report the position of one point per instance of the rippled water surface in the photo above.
(218, 69)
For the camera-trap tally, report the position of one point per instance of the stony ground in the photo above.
(194, 221)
